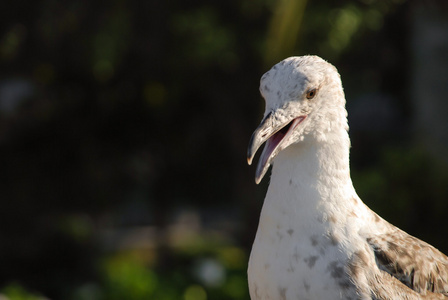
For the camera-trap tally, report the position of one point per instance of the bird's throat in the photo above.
(316, 172)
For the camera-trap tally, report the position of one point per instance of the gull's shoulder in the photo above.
(409, 268)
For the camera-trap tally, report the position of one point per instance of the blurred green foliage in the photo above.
(15, 291)
(219, 273)
(128, 278)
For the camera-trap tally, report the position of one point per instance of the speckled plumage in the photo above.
(316, 239)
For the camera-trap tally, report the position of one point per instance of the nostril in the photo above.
(265, 133)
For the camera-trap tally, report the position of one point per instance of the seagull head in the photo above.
(304, 99)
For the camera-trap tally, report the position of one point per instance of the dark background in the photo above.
(124, 127)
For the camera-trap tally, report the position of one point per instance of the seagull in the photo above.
(316, 239)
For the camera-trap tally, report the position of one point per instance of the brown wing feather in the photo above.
(415, 263)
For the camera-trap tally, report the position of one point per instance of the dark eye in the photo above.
(311, 94)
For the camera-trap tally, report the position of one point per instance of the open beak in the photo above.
(274, 134)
